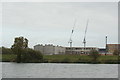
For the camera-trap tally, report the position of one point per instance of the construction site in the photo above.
(50, 49)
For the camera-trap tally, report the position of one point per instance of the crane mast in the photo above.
(70, 40)
(84, 40)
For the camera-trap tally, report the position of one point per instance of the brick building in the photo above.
(112, 47)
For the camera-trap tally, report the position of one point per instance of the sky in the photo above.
(52, 22)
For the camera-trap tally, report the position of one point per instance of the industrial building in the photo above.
(49, 49)
(102, 51)
(112, 47)
(79, 50)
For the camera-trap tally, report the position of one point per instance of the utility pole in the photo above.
(106, 45)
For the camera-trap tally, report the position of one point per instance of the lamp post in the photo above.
(106, 45)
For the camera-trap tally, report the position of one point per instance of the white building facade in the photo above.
(80, 50)
(49, 49)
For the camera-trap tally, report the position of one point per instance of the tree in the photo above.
(31, 55)
(20, 44)
(94, 55)
(25, 54)
(6, 50)
(116, 52)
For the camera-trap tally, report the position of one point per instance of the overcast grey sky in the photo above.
(44, 23)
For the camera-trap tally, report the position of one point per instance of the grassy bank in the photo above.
(79, 59)
(7, 57)
(66, 59)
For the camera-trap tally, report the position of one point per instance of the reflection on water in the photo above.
(50, 70)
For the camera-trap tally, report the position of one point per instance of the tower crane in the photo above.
(70, 40)
(84, 40)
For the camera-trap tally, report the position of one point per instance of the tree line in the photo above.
(25, 54)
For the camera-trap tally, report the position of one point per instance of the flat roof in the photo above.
(113, 44)
(80, 47)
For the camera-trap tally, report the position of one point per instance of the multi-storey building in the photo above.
(52, 49)
(49, 49)
(39, 47)
(112, 47)
(79, 50)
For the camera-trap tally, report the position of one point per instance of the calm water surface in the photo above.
(51, 70)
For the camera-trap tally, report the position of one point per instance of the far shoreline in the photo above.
(67, 59)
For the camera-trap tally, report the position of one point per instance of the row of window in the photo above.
(79, 48)
(74, 52)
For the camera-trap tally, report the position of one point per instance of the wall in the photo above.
(49, 49)
(39, 48)
(112, 47)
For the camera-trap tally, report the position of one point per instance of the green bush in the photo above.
(30, 55)
(94, 56)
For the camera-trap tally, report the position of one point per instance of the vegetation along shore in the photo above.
(21, 53)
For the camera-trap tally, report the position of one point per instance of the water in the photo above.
(51, 70)
(0, 70)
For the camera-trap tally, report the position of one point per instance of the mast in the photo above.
(70, 40)
(84, 40)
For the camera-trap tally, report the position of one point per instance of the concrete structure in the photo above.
(49, 49)
(112, 47)
(79, 50)
(39, 47)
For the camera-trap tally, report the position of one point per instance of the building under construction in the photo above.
(80, 50)
(50, 49)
